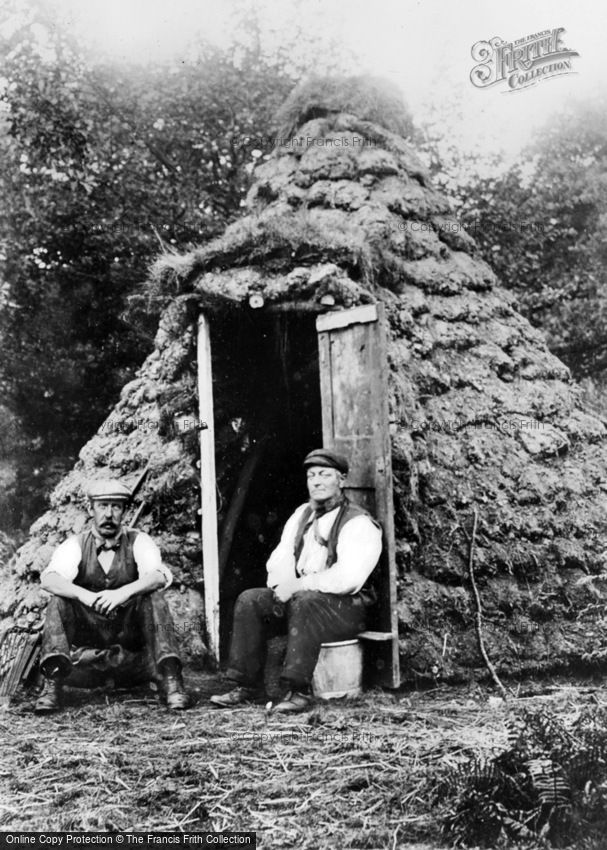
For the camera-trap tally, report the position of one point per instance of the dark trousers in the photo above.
(309, 619)
(135, 640)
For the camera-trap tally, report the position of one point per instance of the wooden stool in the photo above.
(339, 670)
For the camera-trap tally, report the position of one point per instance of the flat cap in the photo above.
(108, 488)
(327, 457)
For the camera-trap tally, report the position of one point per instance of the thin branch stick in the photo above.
(138, 513)
(479, 613)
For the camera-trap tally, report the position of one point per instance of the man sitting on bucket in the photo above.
(106, 615)
(315, 589)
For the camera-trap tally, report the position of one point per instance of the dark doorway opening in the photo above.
(268, 416)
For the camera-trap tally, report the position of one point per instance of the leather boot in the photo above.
(51, 697)
(174, 689)
(294, 703)
(235, 697)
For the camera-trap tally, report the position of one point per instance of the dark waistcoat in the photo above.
(123, 570)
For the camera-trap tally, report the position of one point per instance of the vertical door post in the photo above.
(210, 558)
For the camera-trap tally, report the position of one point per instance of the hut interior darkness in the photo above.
(482, 418)
(265, 369)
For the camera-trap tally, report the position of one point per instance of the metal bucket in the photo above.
(339, 670)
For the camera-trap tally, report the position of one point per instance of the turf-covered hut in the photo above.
(480, 416)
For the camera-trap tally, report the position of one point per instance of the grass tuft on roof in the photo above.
(277, 242)
(368, 98)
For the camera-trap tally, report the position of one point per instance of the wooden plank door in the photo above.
(355, 418)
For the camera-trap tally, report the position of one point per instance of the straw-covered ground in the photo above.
(372, 772)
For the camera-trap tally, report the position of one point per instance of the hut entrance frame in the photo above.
(353, 383)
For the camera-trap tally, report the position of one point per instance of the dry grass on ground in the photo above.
(358, 774)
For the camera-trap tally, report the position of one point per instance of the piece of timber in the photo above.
(210, 553)
(376, 636)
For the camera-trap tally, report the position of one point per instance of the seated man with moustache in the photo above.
(317, 588)
(107, 614)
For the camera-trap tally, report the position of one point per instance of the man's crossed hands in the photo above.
(284, 590)
(105, 601)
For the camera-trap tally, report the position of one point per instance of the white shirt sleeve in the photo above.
(358, 549)
(281, 563)
(148, 558)
(65, 560)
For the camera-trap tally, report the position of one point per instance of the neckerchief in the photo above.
(107, 544)
(320, 509)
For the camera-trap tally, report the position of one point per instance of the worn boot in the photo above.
(173, 687)
(294, 702)
(51, 697)
(235, 697)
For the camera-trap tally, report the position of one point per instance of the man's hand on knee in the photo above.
(286, 589)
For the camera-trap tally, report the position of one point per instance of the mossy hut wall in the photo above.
(483, 417)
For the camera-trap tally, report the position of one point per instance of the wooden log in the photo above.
(20, 650)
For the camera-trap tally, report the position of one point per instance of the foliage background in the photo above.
(103, 165)
(101, 168)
